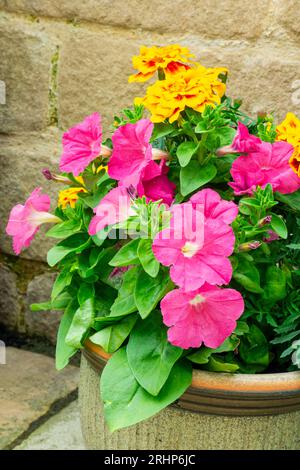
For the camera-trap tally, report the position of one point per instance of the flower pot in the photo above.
(218, 411)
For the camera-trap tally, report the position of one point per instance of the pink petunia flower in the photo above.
(82, 144)
(269, 165)
(131, 152)
(115, 207)
(214, 206)
(196, 248)
(25, 220)
(154, 183)
(207, 315)
(243, 142)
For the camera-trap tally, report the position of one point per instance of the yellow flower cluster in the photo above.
(289, 131)
(70, 195)
(194, 88)
(169, 59)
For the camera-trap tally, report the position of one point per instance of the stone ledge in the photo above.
(30, 385)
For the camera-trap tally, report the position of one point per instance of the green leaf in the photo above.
(161, 130)
(193, 176)
(83, 317)
(127, 254)
(216, 364)
(241, 328)
(201, 356)
(147, 258)
(248, 276)
(275, 288)
(185, 151)
(150, 355)
(125, 303)
(293, 246)
(126, 402)
(149, 291)
(63, 351)
(292, 200)
(65, 229)
(74, 244)
(254, 348)
(113, 336)
(60, 303)
(62, 281)
(278, 225)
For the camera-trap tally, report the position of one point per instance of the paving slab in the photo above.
(61, 432)
(30, 387)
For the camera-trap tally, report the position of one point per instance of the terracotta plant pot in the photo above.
(218, 411)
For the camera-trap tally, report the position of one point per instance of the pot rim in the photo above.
(228, 394)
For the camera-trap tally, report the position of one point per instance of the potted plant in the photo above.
(179, 265)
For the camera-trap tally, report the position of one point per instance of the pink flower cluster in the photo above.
(132, 165)
(263, 163)
(199, 311)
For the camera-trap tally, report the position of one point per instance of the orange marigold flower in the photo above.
(70, 195)
(170, 59)
(193, 88)
(289, 131)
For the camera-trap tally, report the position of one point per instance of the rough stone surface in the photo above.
(209, 18)
(85, 89)
(22, 158)
(183, 430)
(287, 13)
(9, 298)
(24, 67)
(29, 386)
(61, 432)
(44, 323)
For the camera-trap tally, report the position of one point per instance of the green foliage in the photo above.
(149, 291)
(192, 176)
(113, 336)
(126, 402)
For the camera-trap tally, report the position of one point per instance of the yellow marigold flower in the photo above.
(289, 131)
(170, 59)
(193, 88)
(69, 196)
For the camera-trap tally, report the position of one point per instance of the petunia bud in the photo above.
(264, 221)
(105, 151)
(249, 246)
(158, 154)
(53, 177)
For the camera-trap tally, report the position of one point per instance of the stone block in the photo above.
(43, 323)
(25, 69)
(9, 298)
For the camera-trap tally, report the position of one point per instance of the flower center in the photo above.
(198, 299)
(189, 249)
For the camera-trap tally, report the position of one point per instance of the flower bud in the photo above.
(249, 246)
(265, 221)
(53, 177)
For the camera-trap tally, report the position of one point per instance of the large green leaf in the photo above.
(113, 336)
(60, 303)
(63, 351)
(64, 229)
(125, 303)
(147, 258)
(62, 281)
(74, 244)
(248, 276)
(292, 200)
(127, 254)
(126, 402)
(278, 225)
(193, 176)
(150, 355)
(216, 364)
(275, 288)
(161, 130)
(185, 151)
(254, 348)
(83, 318)
(149, 291)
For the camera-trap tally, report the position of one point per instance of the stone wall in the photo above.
(64, 59)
